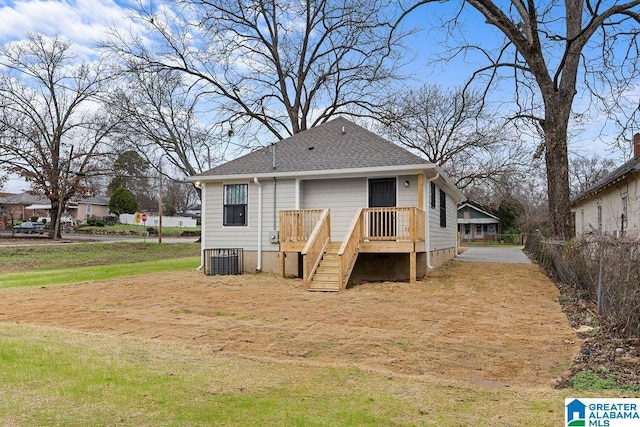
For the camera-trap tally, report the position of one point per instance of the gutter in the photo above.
(427, 201)
(259, 263)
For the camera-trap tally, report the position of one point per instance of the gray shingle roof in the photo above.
(96, 200)
(324, 147)
(22, 199)
(631, 167)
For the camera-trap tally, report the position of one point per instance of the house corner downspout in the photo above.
(259, 263)
(203, 244)
(428, 221)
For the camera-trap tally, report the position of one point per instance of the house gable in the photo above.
(471, 213)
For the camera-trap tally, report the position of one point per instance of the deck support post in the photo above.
(412, 267)
(281, 258)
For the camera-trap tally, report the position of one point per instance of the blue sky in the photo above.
(83, 22)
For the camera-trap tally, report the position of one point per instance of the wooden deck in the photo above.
(327, 265)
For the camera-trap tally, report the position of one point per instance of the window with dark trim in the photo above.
(235, 204)
(599, 218)
(443, 209)
(433, 195)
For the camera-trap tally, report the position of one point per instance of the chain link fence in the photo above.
(605, 269)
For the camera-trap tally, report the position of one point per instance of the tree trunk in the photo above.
(557, 162)
(54, 218)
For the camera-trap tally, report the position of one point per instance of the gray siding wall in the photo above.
(219, 236)
(342, 196)
(442, 237)
(408, 196)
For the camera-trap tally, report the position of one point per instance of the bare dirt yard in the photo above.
(490, 325)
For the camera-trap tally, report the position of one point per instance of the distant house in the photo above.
(612, 205)
(96, 206)
(75, 210)
(476, 223)
(21, 207)
(333, 204)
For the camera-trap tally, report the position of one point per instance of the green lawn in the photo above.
(44, 265)
(64, 256)
(137, 229)
(65, 276)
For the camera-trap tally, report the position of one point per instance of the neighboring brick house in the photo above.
(20, 207)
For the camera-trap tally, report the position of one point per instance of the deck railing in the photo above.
(297, 225)
(348, 251)
(315, 247)
(396, 223)
(312, 226)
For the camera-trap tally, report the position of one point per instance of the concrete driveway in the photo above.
(511, 254)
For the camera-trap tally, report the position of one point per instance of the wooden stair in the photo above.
(327, 276)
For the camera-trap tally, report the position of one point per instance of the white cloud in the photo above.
(80, 21)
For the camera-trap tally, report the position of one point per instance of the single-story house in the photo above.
(75, 210)
(477, 223)
(20, 206)
(334, 204)
(97, 206)
(612, 205)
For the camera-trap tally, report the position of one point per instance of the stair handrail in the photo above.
(315, 247)
(348, 251)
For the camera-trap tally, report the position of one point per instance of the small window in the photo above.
(623, 218)
(478, 228)
(235, 204)
(600, 218)
(582, 220)
(443, 209)
(433, 195)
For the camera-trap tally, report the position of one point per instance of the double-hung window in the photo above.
(600, 218)
(433, 195)
(443, 208)
(235, 204)
(623, 218)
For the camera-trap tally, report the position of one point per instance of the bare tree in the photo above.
(453, 130)
(178, 197)
(158, 115)
(585, 171)
(51, 131)
(549, 49)
(279, 65)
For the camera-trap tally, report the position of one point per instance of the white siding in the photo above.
(220, 236)
(610, 200)
(442, 237)
(342, 196)
(408, 196)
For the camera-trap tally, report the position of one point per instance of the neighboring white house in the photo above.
(612, 205)
(336, 191)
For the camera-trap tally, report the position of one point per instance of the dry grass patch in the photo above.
(488, 340)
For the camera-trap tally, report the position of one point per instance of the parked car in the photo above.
(29, 228)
